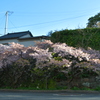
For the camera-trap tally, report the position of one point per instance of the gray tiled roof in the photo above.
(15, 35)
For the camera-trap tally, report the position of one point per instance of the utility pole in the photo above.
(6, 22)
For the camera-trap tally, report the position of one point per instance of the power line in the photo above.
(48, 22)
(12, 23)
(2, 20)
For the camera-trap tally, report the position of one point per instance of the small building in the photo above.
(25, 38)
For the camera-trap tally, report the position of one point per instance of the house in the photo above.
(25, 38)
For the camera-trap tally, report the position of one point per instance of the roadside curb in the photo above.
(50, 91)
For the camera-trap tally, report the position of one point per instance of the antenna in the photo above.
(6, 22)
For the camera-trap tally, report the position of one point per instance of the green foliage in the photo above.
(58, 58)
(51, 84)
(83, 88)
(60, 71)
(88, 73)
(88, 37)
(97, 88)
(94, 21)
(75, 88)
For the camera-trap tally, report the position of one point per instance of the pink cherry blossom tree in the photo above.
(49, 58)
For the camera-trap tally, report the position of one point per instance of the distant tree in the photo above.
(49, 33)
(94, 21)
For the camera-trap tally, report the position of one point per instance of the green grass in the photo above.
(85, 88)
(60, 88)
(33, 88)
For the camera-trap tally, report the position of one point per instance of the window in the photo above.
(5, 43)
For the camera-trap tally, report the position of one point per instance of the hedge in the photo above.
(88, 37)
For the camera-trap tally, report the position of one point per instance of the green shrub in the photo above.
(88, 37)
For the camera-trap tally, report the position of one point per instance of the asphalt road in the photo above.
(28, 95)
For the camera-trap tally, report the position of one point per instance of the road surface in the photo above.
(28, 95)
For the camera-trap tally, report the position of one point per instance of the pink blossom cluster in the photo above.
(10, 54)
(65, 50)
(90, 57)
(43, 53)
(44, 45)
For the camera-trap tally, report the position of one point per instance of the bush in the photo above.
(34, 66)
(88, 37)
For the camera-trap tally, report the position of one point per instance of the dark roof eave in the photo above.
(38, 37)
(8, 38)
(15, 35)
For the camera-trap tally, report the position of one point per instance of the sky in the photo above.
(42, 16)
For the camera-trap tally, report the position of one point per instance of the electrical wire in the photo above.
(54, 21)
(48, 22)
(1, 20)
(12, 24)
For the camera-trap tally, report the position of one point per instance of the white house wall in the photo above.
(26, 43)
(7, 41)
(29, 42)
